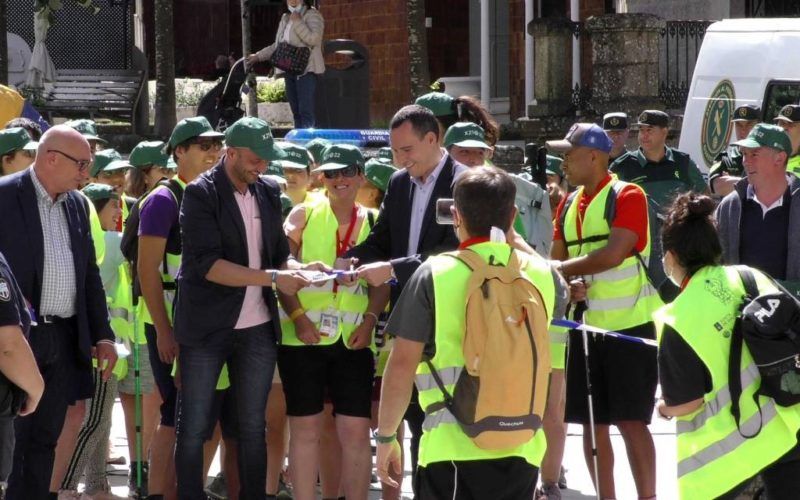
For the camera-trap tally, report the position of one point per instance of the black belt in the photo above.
(49, 319)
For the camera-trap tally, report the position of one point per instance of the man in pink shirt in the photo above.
(235, 255)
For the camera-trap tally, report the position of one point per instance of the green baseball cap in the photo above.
(96, 191)
(148, 153)
(554, 166)
(378, 173)
(108, 160)
(316, 147)
(439, 103)
(275, 168)
(297, 157)
(466, 135)
(254, 134)
(338, 156)
(87, 128)
(767, 135)
(189, 128)
(14, 139)
(385, 154)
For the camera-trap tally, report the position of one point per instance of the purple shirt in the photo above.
(158, 213)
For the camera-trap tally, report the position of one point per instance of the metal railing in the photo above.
(680, 44)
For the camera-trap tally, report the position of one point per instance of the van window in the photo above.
(778, 95)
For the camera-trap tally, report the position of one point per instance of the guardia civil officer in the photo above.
(728, 168)
(789, 119)
(616, 126)
(716, 458)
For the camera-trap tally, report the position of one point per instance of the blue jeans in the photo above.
(301, 94)
(250, 354)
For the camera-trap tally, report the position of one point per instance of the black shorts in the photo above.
(309, 373)
(510, 478)
(162, 374)
(624, 377)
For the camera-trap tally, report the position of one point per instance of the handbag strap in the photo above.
(735, 357)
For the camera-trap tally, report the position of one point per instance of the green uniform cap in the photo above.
(378, 173)
(767, 135)
(148, 153)
(316, 147)
(297, 157)
(189, 128)
(254, 134)
(14, 139)
(439, 103)
(385, 154)
(337, 156)
(87, 128)
(466, 135)
(554, 166)
(108, 160)
(96, 191)
(789, 113)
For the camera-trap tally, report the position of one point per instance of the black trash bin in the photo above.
(343, 93)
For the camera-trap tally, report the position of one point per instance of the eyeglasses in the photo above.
(348, 171)
(206, 146)
(83, 165)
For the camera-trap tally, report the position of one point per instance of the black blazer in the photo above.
(22, 244)
(212, 228)
(388, 239)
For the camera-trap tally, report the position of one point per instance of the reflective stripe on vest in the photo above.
(713, 455)
(348, 303)
(621, 297)
(443, 439)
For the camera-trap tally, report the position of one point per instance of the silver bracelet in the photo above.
(373, 315)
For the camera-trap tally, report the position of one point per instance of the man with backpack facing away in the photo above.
(602, 238)
(196, 148)
(495, 462)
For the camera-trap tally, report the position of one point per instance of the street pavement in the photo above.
(578, 480)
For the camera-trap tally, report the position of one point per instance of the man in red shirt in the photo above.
(601, 252)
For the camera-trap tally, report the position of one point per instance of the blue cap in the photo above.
(587, 135)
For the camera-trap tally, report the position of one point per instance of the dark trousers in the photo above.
(250, 354)
(301, 94)
(500, 479)
(55, 348)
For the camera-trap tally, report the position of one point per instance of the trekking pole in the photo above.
(580, 308)
(137, 398)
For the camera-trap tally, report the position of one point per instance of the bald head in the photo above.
(62, 160)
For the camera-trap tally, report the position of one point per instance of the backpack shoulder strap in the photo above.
(370, 218)
(735, 357)
(567, 203)
(468, 257)
(175, 188)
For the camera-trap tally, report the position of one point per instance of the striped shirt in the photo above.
(58, 281)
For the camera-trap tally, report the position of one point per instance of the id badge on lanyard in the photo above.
(329, 323)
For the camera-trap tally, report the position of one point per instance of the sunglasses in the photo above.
(206, 146)
(83, 165)
(348, 171)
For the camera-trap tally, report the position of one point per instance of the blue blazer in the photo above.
(388, 239)
(212, 228)
(22, 244)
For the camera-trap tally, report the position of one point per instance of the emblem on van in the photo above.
(716, 130)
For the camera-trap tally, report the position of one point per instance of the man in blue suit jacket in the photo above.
(45, 237)
(235, 255)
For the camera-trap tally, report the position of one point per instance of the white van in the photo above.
(741, 61)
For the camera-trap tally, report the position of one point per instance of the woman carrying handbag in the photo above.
(297, 55)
